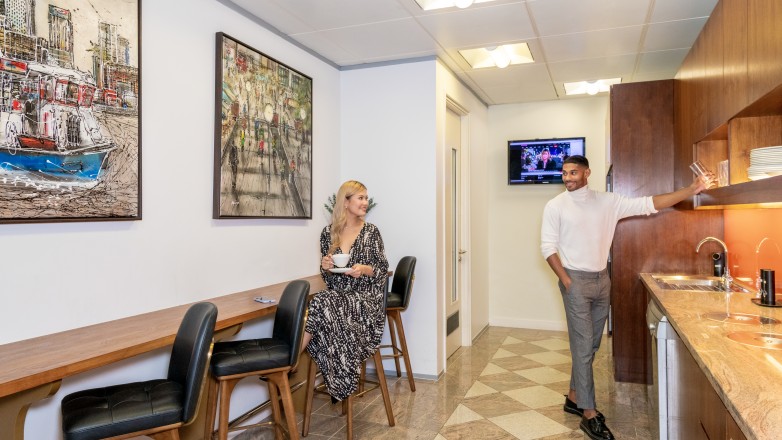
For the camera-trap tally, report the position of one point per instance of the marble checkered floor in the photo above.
(508, 385)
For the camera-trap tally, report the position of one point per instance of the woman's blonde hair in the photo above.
(339, 216)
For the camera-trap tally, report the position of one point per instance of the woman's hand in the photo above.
(326, 262)
(359, 269)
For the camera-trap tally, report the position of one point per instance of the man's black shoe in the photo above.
(571, 407)
(596, 429)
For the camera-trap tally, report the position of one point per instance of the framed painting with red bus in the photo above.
(69, 111)
(263, 135)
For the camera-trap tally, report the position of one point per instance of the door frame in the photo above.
(465, 311)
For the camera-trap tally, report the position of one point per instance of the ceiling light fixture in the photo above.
(500, 56)
(428, 5)
(592, 87)
(497, 56)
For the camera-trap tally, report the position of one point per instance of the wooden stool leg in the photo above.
(305, 426)
(226, 388)
(362, 377)
(392, 332)
(402, 340)
(349, 416)
(211, 406)
(274, 398)
(381, 377)
(281, 382)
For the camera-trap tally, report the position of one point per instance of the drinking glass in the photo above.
(700, 170)
(723, 173)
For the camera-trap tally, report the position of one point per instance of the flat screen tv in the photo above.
(537, 161)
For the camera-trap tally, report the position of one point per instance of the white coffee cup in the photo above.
(340, 260)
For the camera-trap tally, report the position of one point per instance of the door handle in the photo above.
(462, 252)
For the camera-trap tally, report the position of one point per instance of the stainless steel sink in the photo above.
(771, 341)
(695, 283)
(740, 318)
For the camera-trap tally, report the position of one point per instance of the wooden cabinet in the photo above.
(733, 432)
(695, 409)
(729, 100)
(642, 160)
(750, 129)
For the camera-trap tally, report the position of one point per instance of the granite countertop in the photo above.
(747, 379)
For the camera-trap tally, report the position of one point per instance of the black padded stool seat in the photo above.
(236, 357)
(394, 300)
(115, 410)
(153, 407)
(268, 358)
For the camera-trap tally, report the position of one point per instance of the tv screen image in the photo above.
(535, 161)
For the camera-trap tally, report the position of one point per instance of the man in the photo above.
(578, 228)
(546, 162)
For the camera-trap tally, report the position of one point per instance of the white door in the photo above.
(453, 250)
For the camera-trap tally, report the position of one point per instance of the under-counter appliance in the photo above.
(662, 332)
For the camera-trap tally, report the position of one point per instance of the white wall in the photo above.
(524, 291)
(66, 275)
(388, 138)
(393, 131)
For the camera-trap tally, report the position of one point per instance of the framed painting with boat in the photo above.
(70, 111)
(263, 135)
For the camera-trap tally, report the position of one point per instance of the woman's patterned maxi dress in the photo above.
(347, 320)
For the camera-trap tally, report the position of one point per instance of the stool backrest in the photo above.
(190, 353)
(289, 318)
(404, 275)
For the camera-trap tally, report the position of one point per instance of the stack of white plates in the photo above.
(765, 162)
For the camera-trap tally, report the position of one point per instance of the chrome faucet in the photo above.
(727, 280)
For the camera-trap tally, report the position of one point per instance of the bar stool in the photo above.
(347, 404)
(397, 301)
(269, 358)
(155, 408)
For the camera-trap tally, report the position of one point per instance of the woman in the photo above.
(346, 321)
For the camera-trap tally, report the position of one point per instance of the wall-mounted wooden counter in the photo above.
(32, 369)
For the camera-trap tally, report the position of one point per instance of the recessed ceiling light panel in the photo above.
(497, 56)
(591, 87)
(428, 5)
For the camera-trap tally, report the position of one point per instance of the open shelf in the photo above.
(766, 193)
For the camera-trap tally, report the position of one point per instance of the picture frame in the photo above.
(263, 135)
(70, 111)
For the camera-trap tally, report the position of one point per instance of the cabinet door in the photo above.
(764, 43)
(712, 410)
(733, 430)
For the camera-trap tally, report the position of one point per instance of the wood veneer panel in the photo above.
(764, 46)
(642, 134)
(711, 153)
(32, 362)
(735, 80)
(748, 194)
(699, 109)
(683, 131)
(746, 134)
(713, 62)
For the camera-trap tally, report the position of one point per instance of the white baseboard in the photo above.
(528, 323)
(559, 326)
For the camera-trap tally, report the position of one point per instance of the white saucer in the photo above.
(339, 269)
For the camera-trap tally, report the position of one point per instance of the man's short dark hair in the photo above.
(578, 160)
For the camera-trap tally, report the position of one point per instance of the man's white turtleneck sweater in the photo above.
(579, 226)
